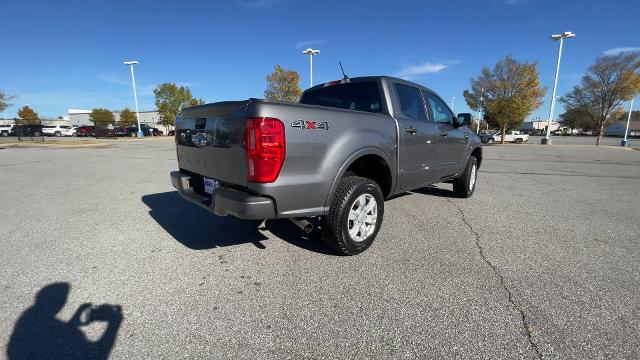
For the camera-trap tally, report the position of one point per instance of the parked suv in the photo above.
(27, 130)
(337, 155)
(86, 131)
(57, 130)
(5, 130)
(146, 130)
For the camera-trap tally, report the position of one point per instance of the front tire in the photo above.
(355, 216)
(490, 141)
(465, 184)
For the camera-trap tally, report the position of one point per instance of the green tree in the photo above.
(170, 99)
(577, 119)
(283, 86)
(611, 80)
(102, 117)
(5, 100)
(27, 115)
(127, 118)
(507, 94)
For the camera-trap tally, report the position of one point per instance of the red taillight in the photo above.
(265, 145)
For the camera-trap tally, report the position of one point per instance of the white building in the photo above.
(617, 129)
(540, 125)
(81, 117)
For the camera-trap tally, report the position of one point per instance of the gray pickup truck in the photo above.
(332, 158)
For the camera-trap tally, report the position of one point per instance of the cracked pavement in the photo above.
(542, 262)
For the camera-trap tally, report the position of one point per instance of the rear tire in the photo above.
(57, 134)
(490, 141)
(355, 216)
(465, 184)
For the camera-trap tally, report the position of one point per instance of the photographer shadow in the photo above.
(39, 334)
(198, 229)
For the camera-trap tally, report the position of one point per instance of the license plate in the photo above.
(210, 185)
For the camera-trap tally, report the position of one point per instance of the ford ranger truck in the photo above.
(335, 156)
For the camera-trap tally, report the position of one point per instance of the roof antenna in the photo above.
(345, 77)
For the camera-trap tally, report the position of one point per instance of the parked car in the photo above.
(336, 155)
(105, 132)
(69, 131)
(171, 133)
(57, 130)
(485, 136)
(510, 136)
(5, 130)
(27, 130)
(86, 130)
(146, 130)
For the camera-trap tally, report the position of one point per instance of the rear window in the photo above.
(360, 96)
(48, 127)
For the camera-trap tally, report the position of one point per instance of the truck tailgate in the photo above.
(210, 141)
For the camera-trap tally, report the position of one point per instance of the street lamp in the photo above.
(626, 129)
(453, 100)
(311, 52)
(135, 96)
(566, 35)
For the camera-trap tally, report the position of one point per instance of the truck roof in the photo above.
(377, 77)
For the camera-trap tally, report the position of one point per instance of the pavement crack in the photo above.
(528, 328)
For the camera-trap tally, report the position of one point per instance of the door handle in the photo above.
(411, 130)
(444, 134)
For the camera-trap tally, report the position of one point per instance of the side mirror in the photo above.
(464, 119)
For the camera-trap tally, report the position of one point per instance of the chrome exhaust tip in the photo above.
(303, 224)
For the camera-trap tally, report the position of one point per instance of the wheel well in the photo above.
(477, 152)
(375, 168)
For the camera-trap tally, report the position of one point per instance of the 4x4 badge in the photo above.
(310, 125)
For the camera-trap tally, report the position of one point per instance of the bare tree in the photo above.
(5, 100)
(611, 80)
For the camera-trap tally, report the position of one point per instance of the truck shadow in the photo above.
(198, 229)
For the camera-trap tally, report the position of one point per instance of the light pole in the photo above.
(135, 96)
(626, 129)
(479, 114)
(311, 52)
(566, 35)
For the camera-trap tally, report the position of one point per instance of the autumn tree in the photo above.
(27, 115)
(127, 118)
(102, 117)
(283, 86)
(507, 94)
(170, 99)
(611, 80)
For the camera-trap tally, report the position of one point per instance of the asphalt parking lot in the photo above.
(543, 261)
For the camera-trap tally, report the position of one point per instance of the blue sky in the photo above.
(68, 54)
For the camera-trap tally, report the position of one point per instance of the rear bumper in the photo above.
(225, 201)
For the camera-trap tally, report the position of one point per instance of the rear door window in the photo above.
(410, 102)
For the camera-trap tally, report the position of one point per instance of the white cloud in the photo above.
(619, 50)
(412, 71)
(256, 4)
(302, 44)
